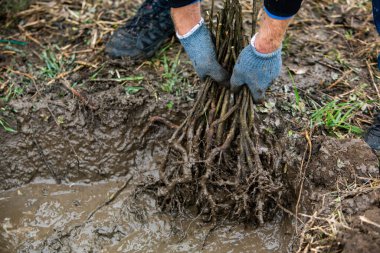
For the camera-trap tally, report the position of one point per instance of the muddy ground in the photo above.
(72, 142)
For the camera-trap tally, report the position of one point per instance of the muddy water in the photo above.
(43, 216)
(40, 217)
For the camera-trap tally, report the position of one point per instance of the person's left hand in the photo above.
(256, 70)
(201, 51)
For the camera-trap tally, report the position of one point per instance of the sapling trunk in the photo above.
(215, 159)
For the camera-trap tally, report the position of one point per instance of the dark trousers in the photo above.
(376, 19)
(376, 13)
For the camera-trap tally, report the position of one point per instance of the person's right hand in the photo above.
(256, 70)
(201, 51)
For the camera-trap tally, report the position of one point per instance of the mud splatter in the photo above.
(36, 218)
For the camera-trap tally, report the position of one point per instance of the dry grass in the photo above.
(10, 7)
(335, 34)
(320, 233)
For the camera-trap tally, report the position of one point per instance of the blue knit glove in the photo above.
(256, 70)
(201, 51)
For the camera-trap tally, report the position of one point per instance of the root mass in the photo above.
(218, 160)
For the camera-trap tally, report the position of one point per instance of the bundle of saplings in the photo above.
(218, 161)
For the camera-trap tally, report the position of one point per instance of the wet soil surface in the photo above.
(364, 217)
(85, 145)
(74, 167)
(339, 189)
(70, 157)
(106, 216)
(38, 217)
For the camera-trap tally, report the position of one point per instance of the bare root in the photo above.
(217, 159)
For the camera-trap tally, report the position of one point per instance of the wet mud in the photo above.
(55, 175)
(66, 141)
(69, 157)
(342, 189)
(341, 161)
(62, 210)
(66, 160)
(40, 217)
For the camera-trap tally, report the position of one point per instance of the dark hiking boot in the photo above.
(143, 34)
(373, 135)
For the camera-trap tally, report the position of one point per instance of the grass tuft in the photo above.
(6, 126)
(55, 64)
(337, 116)
(171, 75)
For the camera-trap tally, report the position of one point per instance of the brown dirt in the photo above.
(364, 237)
(88, 145)
(37, 217)
(344, 161)
(341, 199)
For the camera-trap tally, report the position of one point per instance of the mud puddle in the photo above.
(92, 162)
(40, 217)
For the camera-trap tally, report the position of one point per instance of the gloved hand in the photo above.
(201, 50)
(256, 70)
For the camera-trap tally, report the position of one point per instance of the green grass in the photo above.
(12, 92)
(133, 89)
(9, 90)
(128, 78)
(170, 105)
(349, 34)
(173, 81)
(286, 43)
(171, 75)
(54, 63)
(13, 88)
(296, 93)
(96, 73)
(335, 55)
(14, 42)
(5, 126)
(337, 116)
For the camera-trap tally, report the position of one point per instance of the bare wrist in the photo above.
(185, 18)
(266, 45)
(270, 35)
